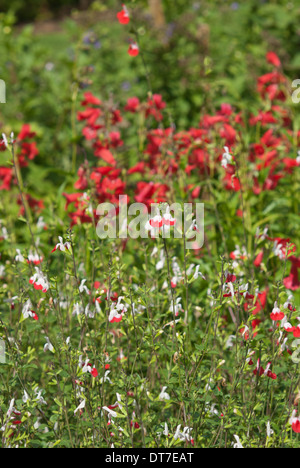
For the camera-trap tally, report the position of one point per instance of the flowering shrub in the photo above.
(130, 342)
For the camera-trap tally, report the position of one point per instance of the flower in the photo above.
(296, 331)
(39, 281)
(276, 314)
(226, 158)
(77, 309)
(4, 137)
(270, 431)
(61, 245)
(117, 311)
(34, 258)
(160, 223)
(83, 287)
(48, 346)
(295, 422)
(123, 15)
(19, 257)
(237, 444)
(27, 312)
(184, 435)
(110, 411)
(168, 220)
(177, 307)
(292, 281)
(86, 367)
(273, 59)
(80, 407)
(134, 49)
(164, 395)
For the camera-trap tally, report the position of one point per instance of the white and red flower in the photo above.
(87, 367)
(277, 315)
(295, 422)
(28, 312)
(160, 223)
(61, 245)
(123, 15)
(34, 258)
(134, 49)
(117, 311)
(39, 281)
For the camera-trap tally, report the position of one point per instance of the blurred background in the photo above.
(196, 54)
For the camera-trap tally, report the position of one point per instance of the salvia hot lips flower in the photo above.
(28, 312)
(226, 158)
(61, 245)
(277, 315)
(87, 367)
(295, 422)
(160, 223)
(296, 331)
(117, 311)
(134, 49)
(123, 15)
(48, 346)
(39, 281)
(34, 258)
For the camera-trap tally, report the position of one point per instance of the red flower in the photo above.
(257, 262)
(6, 175)
(276, 314)
(90, 99)
(123, 15)
(28, 149)
(134, 49)
(295, 422)
(273, 59)
(296, 331)
(292, 281)
(132, 104)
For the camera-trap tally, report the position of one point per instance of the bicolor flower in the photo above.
(86, 367)
(168, 219)
(28, 312)
(176, 307)
(296, 331)
(34, 258)
(134, 49)
(39, 281)
(295, 422)
(117, 311)
(123, 15)
(276, 314)
(61, 245)
(112, 413)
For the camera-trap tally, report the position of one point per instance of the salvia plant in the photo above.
(153, 340)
